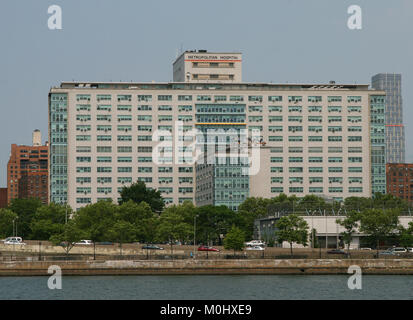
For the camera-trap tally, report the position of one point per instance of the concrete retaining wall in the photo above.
(256, 266)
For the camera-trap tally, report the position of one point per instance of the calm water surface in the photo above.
(208, 287)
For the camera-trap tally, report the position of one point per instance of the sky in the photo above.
(294, 41)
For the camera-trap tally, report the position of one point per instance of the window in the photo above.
(335, 159)
(334, 98)
(104, 159)
(255, 98)
(315, 138)
(101, 107)
(103, 97)
(276, 159)
(164, 98)
(124, 97)
(295, 98)
(146, 98)
(275, 128)
(83, 159)
(83, 138)
(315, 159)
(335, 138)
(104, 149)
(275, 108)
(295, 138)
(124, 138)
(275, 98)
(184, 98)
(354, 138)
(354, 99)
(124, 159)
(315, 99)
(275, 138)
(144, 108)
(335, 149)
(104, 138)
(315, 149)
(124, 108)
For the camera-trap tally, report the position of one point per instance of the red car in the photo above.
(206, 248)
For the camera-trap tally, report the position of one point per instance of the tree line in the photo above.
(141, 216)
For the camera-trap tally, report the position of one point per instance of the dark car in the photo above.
(336, 251)
(206, 248)
(152, 247)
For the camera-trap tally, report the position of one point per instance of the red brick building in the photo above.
(399, 177)
(3, 197)
(27, 171)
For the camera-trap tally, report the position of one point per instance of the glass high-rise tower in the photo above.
(391, 83)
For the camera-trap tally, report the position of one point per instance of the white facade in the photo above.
(315, 139)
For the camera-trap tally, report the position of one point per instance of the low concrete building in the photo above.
(327, 230)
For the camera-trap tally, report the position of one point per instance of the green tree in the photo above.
(350, 224)
(137, 192)
(405, 235)
(212, 221)
(314, 239)
(379, 224)
(292, 228)
(136, 214)
(235, 239)
(250, 210)
(69, 236)
(49, 220)
(358, 203)
(123, 232)
(96, 220)
(25, 210)
(172, 226)
(6, 222)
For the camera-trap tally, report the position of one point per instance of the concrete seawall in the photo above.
(210, 267)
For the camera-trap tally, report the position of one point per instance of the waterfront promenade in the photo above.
(208, 267)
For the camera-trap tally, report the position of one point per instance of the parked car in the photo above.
(393, 251)
(409, 249)
(152, 247)
(206, 248)
(258, 248)
(254, 243)
(85, 242)
(105, 243)
(14, 242)
(365, 248)
(336, 251)
(388, 252)
(19, 239)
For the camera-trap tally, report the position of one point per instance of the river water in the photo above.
(203, 287)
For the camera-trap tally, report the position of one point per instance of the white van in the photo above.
(13, 239)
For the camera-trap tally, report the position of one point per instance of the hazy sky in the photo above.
(132, 40)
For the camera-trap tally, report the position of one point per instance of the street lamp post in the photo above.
(194, 235)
